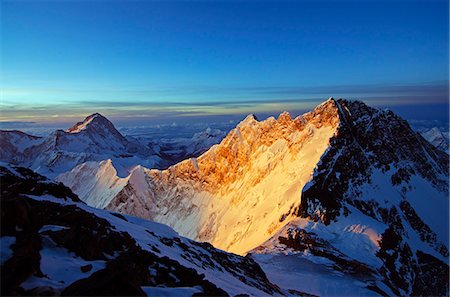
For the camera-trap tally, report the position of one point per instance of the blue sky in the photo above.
(154, 60)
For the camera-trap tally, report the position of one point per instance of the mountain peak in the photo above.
(98, 129)
(284, 117)
(93, 118)
(251, 118)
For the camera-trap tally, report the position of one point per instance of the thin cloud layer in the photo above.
(232, 101)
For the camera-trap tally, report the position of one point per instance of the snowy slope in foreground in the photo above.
(54, 244)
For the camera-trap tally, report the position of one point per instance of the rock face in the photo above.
(94, 139)
(370, 141)
(374, 193)
(52, 244)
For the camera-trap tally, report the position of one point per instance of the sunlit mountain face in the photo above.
(189, 148)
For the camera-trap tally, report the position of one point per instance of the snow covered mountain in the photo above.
(93, 139)
(14, 144)
(377, 206)
(437, 138)
(246, 164)
(346, 186)
(53, 244)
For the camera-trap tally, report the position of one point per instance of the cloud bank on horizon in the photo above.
(239, 101)
(159, 60)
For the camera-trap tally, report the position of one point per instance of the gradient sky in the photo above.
(62, 60)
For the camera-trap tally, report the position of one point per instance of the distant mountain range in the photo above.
(343, 200)
(96, 139)
(437, 138)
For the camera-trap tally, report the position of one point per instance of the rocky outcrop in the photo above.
(367, 140)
